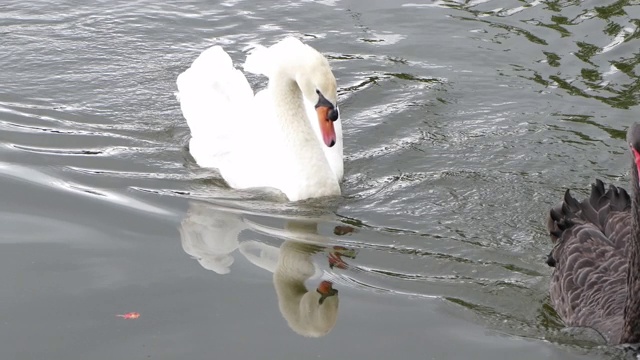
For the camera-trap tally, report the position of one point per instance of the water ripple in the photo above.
(464, 121)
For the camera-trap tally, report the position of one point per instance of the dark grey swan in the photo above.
(596, 280)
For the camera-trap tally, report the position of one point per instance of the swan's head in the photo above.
(633, 138)
(319, 87)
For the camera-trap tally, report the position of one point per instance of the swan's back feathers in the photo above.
(266, 60)
(259, 61)
(211, 93)
(588, 286)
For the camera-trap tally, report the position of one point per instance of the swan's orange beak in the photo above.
(326, 126)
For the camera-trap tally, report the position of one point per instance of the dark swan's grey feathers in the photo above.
(590, 256)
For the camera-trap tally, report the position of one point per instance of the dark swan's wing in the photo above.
(588, 286)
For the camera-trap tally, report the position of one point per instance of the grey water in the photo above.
(464, 122)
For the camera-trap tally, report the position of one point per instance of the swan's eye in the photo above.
(317, 91)
(333, 114)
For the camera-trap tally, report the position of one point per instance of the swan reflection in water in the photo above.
(211, 234)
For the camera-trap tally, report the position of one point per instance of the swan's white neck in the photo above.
(305, 160)
(631, 327)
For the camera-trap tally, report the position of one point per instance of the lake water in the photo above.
(464, 121)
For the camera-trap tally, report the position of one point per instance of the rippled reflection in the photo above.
(212, 235)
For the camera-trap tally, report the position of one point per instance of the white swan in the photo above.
(211, 235)
(288, 136)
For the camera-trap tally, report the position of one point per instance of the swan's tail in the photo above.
(607, 210)
(212, 95)
(595, 210)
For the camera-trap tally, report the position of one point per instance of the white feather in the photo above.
(243, 136)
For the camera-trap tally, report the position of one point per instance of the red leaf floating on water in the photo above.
(130, 315)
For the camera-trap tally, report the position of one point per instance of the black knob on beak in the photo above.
(333, 114)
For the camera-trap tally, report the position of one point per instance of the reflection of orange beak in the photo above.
(326, 126)
(325, 289)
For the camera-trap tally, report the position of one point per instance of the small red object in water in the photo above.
(131, 315)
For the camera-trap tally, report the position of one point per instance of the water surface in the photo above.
(464, 122)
